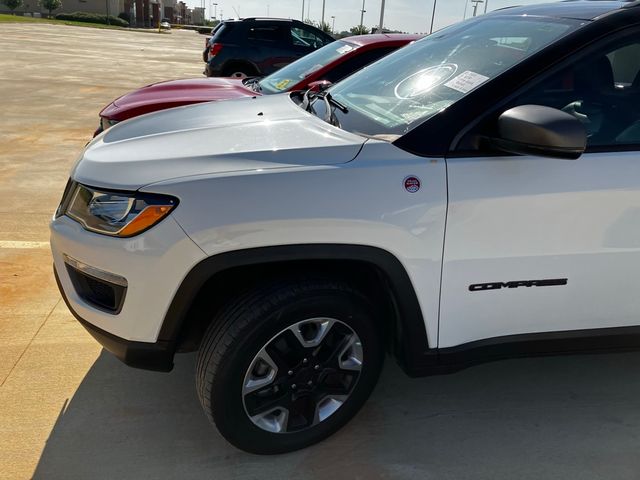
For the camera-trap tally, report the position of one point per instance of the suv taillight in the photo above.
(215, 49)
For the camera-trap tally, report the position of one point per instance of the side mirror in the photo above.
(541, 131)
(319, 85)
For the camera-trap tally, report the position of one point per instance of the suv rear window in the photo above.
(271, 33)
(220, 30)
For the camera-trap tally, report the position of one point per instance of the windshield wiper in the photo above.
(306, 100)
(330, 113)
(328, 98)
(253, 83)
(329, 101)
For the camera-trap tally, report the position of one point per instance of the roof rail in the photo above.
(249, 19)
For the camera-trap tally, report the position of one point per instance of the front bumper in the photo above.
(154, 264)
(156, 356)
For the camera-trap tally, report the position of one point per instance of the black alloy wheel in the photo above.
(303, 375)
(289, 363)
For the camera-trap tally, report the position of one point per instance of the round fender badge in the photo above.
(412, 184)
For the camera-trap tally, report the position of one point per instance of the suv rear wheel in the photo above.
(239, 70)
(287, 365)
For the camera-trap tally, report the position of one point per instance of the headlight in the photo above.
(105, 123)
(116, 213)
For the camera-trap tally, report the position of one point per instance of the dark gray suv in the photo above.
(259, 46)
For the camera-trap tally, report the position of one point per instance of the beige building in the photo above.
(197, 16)
(68, 6)
(142, 13)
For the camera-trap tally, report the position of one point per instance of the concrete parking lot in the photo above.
(70, 411)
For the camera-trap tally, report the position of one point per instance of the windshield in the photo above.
(397, 93)
(288, 76)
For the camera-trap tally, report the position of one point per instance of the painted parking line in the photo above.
(18, 244)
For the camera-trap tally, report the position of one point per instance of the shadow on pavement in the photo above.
(571, 417)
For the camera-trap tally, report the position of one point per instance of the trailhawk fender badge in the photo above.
(411, 184)
(517, 283)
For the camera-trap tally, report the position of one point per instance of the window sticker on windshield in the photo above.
(466, 81)
(344, 49)
(282, 84)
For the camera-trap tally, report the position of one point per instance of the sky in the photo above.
(413, 16)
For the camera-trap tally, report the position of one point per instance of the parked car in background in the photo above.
(259, 46)
(165, 24)
(329, 64)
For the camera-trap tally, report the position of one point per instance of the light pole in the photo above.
(267, 9)
(302, 16)
(433, 16)
(215, 10)
(333, 24)
(486, 5)
(308, 8)
(362, 17)
(475, 6)
(380, 28)
(322, 18)
(466, 4)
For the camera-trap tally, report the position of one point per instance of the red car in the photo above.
(328, 64)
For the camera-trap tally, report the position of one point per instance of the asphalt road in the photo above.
(70, 411)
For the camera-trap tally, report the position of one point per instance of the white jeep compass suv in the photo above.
(472, 196)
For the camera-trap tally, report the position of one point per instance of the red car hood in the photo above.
(174, 93)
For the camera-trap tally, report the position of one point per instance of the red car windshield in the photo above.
(287, 77)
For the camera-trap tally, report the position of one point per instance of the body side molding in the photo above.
(590, 341)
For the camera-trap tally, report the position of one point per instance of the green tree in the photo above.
(325, 27)
(359, 30)
(12, 4)
(51, 5)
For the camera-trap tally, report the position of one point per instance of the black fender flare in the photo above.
(411, 345)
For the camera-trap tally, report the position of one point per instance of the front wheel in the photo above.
(287, 365)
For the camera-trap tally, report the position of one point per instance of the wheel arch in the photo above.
(378, 271)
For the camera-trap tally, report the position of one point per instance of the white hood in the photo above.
(217, 137)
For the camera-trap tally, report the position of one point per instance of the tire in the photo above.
(332, 326)
(238, 71)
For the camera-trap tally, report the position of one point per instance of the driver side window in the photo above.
(602, 91)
